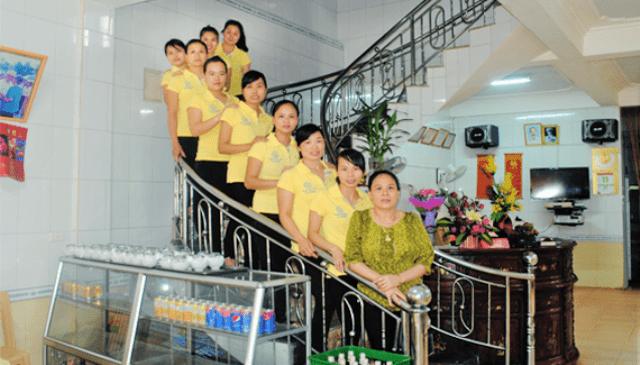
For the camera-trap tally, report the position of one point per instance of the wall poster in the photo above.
(605, 173)
(13, 141)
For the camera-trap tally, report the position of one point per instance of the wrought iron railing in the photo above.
(412, 326)
(398, 59)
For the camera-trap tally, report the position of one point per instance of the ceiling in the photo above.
(543, 79)
(618, 8)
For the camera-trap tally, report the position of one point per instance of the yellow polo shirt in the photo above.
(236, 60)
(304, 185)
(246, 125)
(274, 157)
(336, 212)
(208, 142)
(166, 78)
(186, 85)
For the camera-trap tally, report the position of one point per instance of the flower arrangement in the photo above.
(503, 196)
(465, 219)
(426, 200)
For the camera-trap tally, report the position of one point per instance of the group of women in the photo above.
(217, 125)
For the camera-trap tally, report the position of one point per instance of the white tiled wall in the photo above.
(47, 200)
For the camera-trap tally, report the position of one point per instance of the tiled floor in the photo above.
(607, 326)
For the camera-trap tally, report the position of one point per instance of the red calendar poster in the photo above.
(13, 141)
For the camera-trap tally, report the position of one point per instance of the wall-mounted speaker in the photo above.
(600, 130)
(482, 136)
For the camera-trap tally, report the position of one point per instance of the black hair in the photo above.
(194, 40)
(284, 102)
(211, 29)
(352, 156)
(383, 172)
(212, 60)
(252, 76)
(242, 40)
(303, 133)
(175, 43)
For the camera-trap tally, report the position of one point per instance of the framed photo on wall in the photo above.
(418, 136)
(550, 134)
(20, 74)
(429, 136)
(449, 140)
(440, 137)
(533, 134)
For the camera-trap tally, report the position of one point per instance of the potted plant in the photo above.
(378, 131)
(465, 219)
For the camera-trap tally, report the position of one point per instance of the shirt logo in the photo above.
(245, 122)
(213, 109)
(187, 85)
(275, 157)
(340, 213)
(308, 188)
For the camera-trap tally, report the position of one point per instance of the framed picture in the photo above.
(440, 137)
(429, 136)
(449, 140)
(550, 134)
(533, 134)
(20, 74)
(418, 136)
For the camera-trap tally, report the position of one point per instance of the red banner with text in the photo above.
(513, 166)
(483, 180)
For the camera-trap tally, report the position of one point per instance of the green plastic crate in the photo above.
(321, 359)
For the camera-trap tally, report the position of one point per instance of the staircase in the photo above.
(397, 68)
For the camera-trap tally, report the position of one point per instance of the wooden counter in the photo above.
(554, 318)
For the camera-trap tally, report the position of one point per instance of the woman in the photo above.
(179, 93)
(204, 113)
(296, 190)
(389, 247)
(233, 50)
(267, 162)
(328, 223)
(175, 51)
(209, 36)
(240, 129)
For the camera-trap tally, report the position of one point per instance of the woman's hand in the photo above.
(387, 282)
(394, 294)
(307, 248)
(177, 152)
(259, 139)
(338, 259)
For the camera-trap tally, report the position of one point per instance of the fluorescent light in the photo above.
(545, 116)
(511, 81)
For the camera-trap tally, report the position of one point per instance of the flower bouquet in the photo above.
(503, 196)
(465, 219)
(427, 204)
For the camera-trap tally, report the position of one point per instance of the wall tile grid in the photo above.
(45, 202)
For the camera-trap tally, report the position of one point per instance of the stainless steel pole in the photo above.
(531, 260)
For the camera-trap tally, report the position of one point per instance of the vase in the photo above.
(429, 219)
(503, 224)
(470, 242)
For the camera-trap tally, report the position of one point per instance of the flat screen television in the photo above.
(560, 184)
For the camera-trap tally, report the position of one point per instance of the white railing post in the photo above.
(531, 260)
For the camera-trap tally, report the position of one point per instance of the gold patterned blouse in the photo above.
(388, 250)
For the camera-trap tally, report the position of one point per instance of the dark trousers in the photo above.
(190, 148)
(373, 325)
(334, 290)
(243, 196)
(215, 174)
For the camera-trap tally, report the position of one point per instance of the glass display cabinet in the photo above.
(106, 313)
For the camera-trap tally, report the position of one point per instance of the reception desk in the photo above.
(554, 316)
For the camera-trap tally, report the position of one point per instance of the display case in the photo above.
(119, 314)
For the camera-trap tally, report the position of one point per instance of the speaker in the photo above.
(599, 130)
(482, 136)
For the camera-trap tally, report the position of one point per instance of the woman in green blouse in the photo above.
(389, 247)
